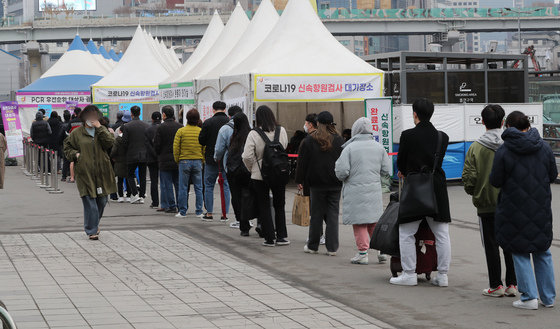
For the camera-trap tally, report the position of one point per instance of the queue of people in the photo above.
(507, 172)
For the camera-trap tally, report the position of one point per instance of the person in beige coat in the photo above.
(252, 158)
(3, 148)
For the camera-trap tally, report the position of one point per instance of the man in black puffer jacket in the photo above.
(40, 131)
(523, 168)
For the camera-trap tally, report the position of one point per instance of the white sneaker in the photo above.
(178, 215)
(511, 291)
(331, 253)
(381, 258)
(234, 225)
(127, 199)
(322, 241)
(141, 201)
(134, 199)
(405, 280)
(531, 304)
(200, 216)
(361, 259)
(440, 280)
(309, 251)
(545, 305)
(120, 200)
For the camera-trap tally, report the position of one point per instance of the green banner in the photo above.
(104, 108)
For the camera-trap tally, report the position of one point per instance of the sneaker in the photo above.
(322, 241)
(360, 258)
(282, 242)
(440, 280)
(224, 219)
(309, 251)
(268, 244)
(154, 206)
(134, 199)
(120, 200)
(141, 200)
(494, 292)
(199, 215)
(511, 291)
(531, 304)
(234, 225)
(381, 258)
(171, 210)
(206, 218)
(179, 215)
(546, 305)
(127, 199)
(405, 280)
(331, 253)
(244, 233)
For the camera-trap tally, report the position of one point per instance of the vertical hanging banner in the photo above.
(104, 108)
(12, 126)
(71, 106)
(379, 111)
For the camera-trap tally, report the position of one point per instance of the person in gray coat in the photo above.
(360, 167)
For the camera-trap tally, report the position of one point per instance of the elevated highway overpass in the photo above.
(339, 22)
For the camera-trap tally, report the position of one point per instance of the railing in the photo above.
(177, 16)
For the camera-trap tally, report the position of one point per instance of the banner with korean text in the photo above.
(317, 87)
(380, 113)
(132, 94)
(12, 127)
(176, 93)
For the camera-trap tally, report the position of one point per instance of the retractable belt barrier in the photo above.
(41, 164)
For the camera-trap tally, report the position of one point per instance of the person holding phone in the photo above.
(87, 147)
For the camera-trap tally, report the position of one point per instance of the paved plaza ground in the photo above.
(152, 270)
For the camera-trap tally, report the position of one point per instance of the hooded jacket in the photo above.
(40, 131)
(477, 168)
(523, 168)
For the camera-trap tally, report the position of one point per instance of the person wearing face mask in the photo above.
(87, 147)
(310, 125)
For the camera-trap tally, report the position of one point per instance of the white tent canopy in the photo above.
(136, 76)
(262, 23)
(301, 61)
(172, 92)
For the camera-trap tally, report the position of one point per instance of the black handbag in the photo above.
(385, 237)
(418, 198)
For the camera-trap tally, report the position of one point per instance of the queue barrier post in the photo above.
(54, 175)
(44, 168)
(24, 163)
(36, 154)
(52, 166)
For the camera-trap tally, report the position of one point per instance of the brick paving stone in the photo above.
(151, 279)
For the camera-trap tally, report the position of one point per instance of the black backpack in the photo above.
(275, 169)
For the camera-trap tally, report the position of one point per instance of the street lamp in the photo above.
(519, 12)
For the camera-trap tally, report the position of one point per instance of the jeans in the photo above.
(270, 229)
(153, 168)
(190, 170)
(539, 283)
(141, 178)
(93, 211)
(210, 176)
(362, 234)
(407, 242)
(325, 206)
(169, 179)
(492, 251)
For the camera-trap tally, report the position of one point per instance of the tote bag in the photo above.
(418, 198)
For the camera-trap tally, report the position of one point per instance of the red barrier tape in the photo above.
(295, 155)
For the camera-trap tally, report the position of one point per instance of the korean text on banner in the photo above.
(380, 113)
(12, 126)
(176, 93)
(104, 108)
(317, 88)
(58, 97)
(206, 110)
(115, 95)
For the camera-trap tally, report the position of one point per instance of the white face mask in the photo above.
(89, 123)
(305, 128)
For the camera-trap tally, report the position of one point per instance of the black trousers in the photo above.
(141, 177)
(239, 187)
(120, 190)
(325, 206)
(492, 251)
(154, 177)
(65, 168)
(278, 227)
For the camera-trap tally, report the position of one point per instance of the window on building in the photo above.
(59, 44)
